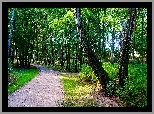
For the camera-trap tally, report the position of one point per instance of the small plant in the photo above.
(87, 74)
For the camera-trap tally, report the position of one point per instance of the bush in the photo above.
(134, 92)
(135, 89)
(110, 69)
(87, 74)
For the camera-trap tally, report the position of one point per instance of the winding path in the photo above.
(45, 90)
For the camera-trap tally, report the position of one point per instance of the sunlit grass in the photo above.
(77, 93)
(21, 76)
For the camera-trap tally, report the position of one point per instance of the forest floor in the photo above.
(46, 90)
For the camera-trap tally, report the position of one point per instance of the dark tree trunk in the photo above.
(103, 43)
(76, 54)
(32, 46)
(104, 31)
(68, 58)
(17, 57)
(52, 51)
(61, 53)
(92, 58)
(29, 57)
(37, 53)
(53, 62)
(23, 53)
(133, 48)
(124, 50)
(26, 56)
(80, 56)
(112, 47)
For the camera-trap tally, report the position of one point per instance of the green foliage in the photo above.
(111, 88)
(135, 89)
(110, 69)
(87, 74)
(10, 68)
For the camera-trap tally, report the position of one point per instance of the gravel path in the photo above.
(45, 90)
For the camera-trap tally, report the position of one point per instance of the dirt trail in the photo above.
(45, 90)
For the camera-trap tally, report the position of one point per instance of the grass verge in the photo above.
(20, 76)
(77, 94)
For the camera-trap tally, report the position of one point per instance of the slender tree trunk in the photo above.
(66, 47)
(26, 54)
(103, 44)
(10, 35)
(53, 62)
(68, 59)
(23, 57)
(76, 54)
(80, 56)
(92, 58)
(142, 37)
(112, 47)
(124, 50)
(37, 53)
(32, 46)
(29, 57)
(133, 49)
(104, 39)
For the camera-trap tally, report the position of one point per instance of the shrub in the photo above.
(135, 89)
(110, 69)
(87, 74)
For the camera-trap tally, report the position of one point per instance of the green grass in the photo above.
(77, 93)
(21, 76)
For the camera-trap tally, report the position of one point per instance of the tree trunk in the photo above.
(124, 49)
(80, 56)
(37, 53)
(112, 47)
(68, 59)
(92, 58)
(76, 55)
(10, 35)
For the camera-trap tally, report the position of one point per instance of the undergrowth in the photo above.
(135, 89)
(19, 76)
